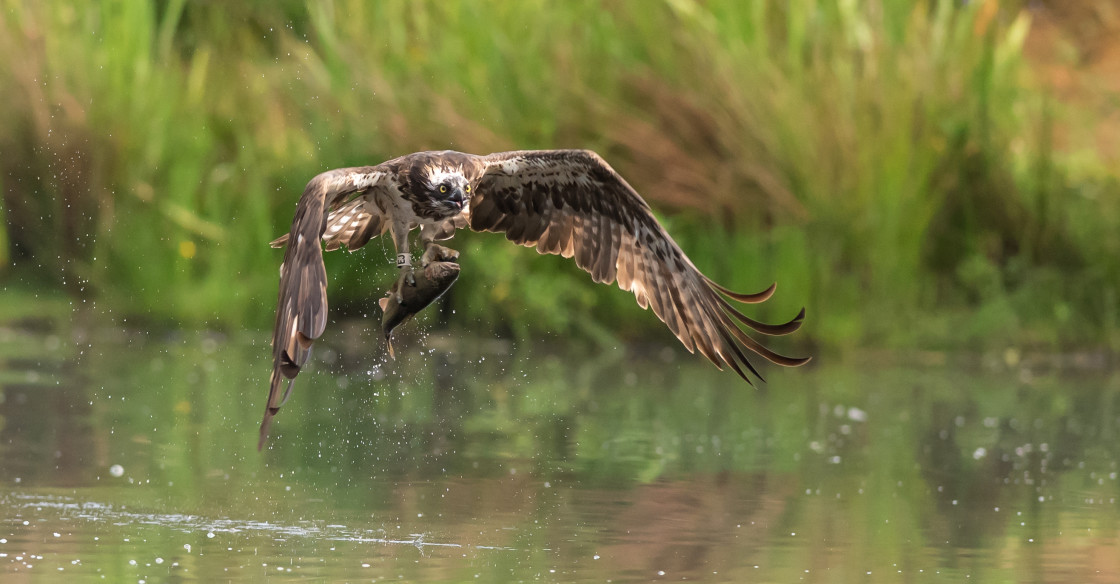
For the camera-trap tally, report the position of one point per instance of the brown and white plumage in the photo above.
(566, 202)
(301, 310)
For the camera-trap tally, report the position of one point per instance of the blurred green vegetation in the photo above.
(893, 165)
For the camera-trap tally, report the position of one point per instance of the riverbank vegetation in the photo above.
(898, 167)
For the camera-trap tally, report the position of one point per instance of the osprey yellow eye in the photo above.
(443, 188)
(468, 188)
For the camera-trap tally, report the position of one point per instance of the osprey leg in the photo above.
(404, 260)
(434, 252)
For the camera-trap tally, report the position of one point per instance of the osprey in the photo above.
(566, 202)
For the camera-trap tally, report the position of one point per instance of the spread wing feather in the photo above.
(572, 203)
(325, 211)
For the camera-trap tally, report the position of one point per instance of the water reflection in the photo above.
(130, 457)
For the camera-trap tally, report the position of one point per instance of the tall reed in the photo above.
(884, 160)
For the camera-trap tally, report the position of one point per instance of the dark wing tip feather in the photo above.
(768, 354)
(784, 328)
(265, 424)
(288, 366)
(786, 361)
(755, 298)
(741, 357)
(275, 400)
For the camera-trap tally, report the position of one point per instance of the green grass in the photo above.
(891, 164)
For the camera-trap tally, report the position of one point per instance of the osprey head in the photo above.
(443, 191)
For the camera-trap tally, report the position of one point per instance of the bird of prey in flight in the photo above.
(566, 202)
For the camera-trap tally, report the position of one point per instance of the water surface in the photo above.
(128, 456)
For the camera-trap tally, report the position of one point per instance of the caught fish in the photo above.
(431, 282)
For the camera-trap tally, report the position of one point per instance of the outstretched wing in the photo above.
(301, 307)
(572, 203)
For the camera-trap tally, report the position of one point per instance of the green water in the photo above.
(128, 456)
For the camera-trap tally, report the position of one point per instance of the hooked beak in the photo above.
(458, 198)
